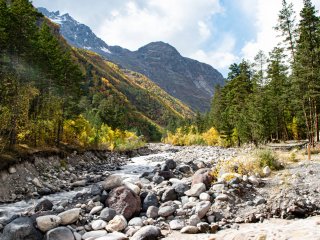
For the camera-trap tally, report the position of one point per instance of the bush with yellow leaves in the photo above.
(80, 132)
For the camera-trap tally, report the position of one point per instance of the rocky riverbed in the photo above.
(164, 194)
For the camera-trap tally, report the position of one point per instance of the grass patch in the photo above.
(267, 157)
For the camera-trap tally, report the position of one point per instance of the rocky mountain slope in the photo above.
(188, 80)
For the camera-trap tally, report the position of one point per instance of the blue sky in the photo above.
(217, 32)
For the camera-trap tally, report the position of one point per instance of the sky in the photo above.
(217, 32)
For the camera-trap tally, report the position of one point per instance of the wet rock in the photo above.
(202, 208)
(136, 222)
(147, 233)
(98, 224)
(177, 224)
(150, 200)
(21, 229)
(171, 164)
(124, 201)
(157, 179)
(184, 169)
(112, 182)
(46, 223)
(96, 189)
(166, 211)
(44, 205)
(60, 233)
(69, 216)
(152, 212)
(80, 183)
(118, 223)
(169, 195)
(166, 174)
(94, 234)
(190, 230)
(107, 214)
(196, 190)
(202, 176)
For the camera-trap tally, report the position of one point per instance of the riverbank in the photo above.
(172, 190)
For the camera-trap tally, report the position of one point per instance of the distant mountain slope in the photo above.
(160, 108)
(188, 80)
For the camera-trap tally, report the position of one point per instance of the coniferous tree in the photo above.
(306, 68)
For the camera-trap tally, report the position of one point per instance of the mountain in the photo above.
(186, 79)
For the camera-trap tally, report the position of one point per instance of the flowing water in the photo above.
(130, 171)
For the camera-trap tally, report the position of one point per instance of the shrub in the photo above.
(268, 158)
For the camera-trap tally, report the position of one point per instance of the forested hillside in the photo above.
(53, 95)
(274, 98)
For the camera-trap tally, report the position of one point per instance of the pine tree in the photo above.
(287, 27)
(307, 68)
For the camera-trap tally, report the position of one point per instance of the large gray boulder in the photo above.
(60, 233)
(21, 229)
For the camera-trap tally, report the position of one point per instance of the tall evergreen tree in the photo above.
(306, 68)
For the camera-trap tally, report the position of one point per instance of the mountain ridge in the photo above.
(189, 80)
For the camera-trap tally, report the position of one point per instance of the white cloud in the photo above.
(222, 56)
(265, 15)
(183, 23)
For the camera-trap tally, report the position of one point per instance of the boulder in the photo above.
(190, 230)
(94, 234)
(147, 233)
(171, 164)
(98, 224)
(254, 180)
(166, 211)
(95, 210)
(37, 182)
(150, 200)
(177, 224)
(166, 174)
(202, 208)
(194, 220)
(107, 214)
(184, 168)
(21, 229)
(112, 182)
(152, 212)
(69, 216)
(60, 233)
(43, 205)
(132, 187)
(124, 201)
(181, 188)
(202, 176)
(169, 195)
(80, 183)
(118, 223)
(46, 223)
(196, 190)
(136, 222)
(96, 189)
(204, 197)
(113, 236)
